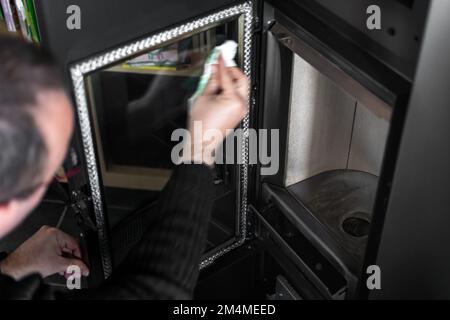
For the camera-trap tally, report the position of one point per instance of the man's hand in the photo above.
(47, 252)
(222, 105)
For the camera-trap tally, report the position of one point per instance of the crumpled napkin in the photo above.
(228, 50)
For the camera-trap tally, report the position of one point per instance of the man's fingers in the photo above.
(237, 74)
(225, 79)
(213, 84)
(65, 263)
(241, 82)
(68, 244)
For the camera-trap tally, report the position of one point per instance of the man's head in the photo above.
(35, 127)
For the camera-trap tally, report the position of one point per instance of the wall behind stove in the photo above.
(329, 129)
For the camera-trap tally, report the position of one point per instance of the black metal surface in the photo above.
(276, 228)
(340, 199)
(375, 96)
(370, 72)
(106, 24)
(276, 263)
(284, 290)
(315, 232)
(329, 210)
(414, 255)
(237, 275)
(398, 41)
(396, 44)
(276, 96)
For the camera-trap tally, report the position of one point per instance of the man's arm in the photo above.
(165, 263)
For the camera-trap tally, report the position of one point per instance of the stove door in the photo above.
(130, 100)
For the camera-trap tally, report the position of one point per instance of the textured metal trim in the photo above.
(81, 69)
(247, 10)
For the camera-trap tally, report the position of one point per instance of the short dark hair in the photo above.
(25, 70)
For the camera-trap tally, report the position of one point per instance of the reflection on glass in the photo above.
(139, 103)
(135, 106)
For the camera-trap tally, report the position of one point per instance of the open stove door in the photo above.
(131, 70)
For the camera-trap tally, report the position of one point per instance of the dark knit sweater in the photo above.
(165, 263)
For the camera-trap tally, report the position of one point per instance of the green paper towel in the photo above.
(228, 50)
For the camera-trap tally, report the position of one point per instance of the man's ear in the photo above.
(16, 210)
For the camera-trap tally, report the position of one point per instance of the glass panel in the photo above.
(136, 105)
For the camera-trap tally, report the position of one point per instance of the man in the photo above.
(36, 123)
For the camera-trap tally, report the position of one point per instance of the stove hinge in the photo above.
(79, 203)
